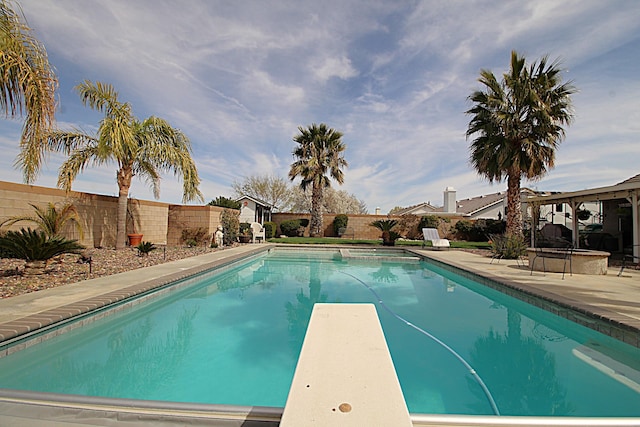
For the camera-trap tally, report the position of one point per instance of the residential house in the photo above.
(254, 210)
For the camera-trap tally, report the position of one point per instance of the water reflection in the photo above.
(519, 371)
(299, 313)
(134, 361)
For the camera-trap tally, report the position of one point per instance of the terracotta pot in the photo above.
(134, 239)
(244, 239)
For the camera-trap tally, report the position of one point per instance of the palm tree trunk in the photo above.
(315, 228)
(124, 183)
(514, 205)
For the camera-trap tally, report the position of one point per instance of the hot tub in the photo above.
(583, 261)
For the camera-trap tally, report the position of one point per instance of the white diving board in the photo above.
(345, 375)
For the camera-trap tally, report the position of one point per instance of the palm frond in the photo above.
(32, 245)
(27, 85)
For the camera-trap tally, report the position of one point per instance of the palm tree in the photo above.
(27, 85)
(518, 126)
(51, 219)
(389, 236)
(319, 158)
(139, 148)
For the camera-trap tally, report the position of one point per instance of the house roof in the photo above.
(420, 207)
(617, 191)
(256, 201)
(475, 204)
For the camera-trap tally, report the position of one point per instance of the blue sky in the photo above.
(239, 77)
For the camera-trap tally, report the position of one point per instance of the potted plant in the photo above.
(245, 233)
(134, 237)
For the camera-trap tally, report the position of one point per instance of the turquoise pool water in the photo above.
(234, 337)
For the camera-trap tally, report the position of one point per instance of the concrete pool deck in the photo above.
(615, 300)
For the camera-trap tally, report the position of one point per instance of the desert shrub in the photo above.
(230, 220)
(225, 202)
(270, 229)
(479, 230)
(340, 221)
(408, 226)
(194, 236)
(483, 228)
(429, 221)
(290, 227)
(507, 246)
(463, 229)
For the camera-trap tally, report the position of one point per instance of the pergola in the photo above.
(625, 193)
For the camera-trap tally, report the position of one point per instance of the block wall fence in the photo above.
(160, 223)
(358, 225)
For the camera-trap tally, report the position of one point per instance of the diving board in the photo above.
(345, 375)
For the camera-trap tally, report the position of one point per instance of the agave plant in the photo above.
(389, 236)
(36, 248)
(145, 247)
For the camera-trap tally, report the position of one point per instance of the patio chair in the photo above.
(431, 235)
(632, 259)
(561, 251)
(258, 231)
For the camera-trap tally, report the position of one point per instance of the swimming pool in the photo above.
(238, 334)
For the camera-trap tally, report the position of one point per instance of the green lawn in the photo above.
(337, 241)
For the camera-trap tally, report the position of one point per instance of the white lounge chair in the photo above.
(258, 231)
(431, 235)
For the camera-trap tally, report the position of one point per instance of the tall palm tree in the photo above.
(517, 123)
(139, 148)
(27, 85)
(319, 157)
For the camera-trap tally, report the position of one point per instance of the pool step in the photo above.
(371, 255)
(345, 375)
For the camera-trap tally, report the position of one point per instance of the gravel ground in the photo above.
(104, 262)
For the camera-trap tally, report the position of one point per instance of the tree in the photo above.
(389, 236)
(269, 188)
(319, 157)
(144, 148)
(517, 123)
(225, 202)
(27, 85)
(334, 201)
(51, 219)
